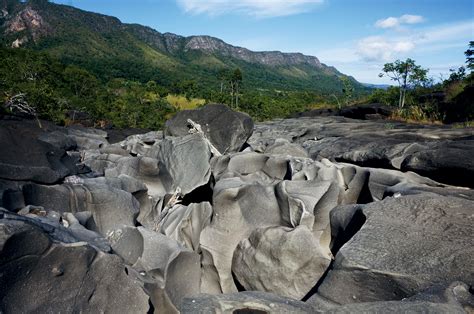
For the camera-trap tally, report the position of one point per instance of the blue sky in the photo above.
(355, 36)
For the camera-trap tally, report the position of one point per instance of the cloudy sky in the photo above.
(355, 36)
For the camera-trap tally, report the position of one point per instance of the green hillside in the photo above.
(272, 84)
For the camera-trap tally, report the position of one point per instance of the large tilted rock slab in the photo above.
(42, 274)
(243, 302)
(26, 158)
(184, 163)
(180, 162)
(448, 162)
(284, 261)
(455, 298)
(405, 245)
(226, 129)
(111, 208)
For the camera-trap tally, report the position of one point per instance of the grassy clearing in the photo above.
(183, 103)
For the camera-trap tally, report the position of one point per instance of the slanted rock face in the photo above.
(226, 129)
(405, 245)
(111, 208)
(169, 271)
(26, 158)
(280, 260)
(431, 151)
(42, 275)
(184, 163)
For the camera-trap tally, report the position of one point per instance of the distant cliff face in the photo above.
(27, 21)
(274, 58)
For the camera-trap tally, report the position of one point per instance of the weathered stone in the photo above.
(184, 163)
(226, 129)
(185, 223)
(169, 271)
(111, 208)
(284, 261)
(405, 245)
(61, 277)
(26, 158)
(243, 302)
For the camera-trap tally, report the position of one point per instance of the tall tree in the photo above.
(470, 56)
(222, 76)
(236, 79)
(347, 89)
(407, 74)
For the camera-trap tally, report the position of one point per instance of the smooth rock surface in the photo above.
(226, 129)
(61, 277)
(404, 246)
(284, 261)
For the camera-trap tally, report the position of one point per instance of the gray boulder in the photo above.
(226, 129)
(285, 147)
(169, 271)
(111, 208)
(61, 277)
(185, 223)
(404, 246)
(184, 163)
(26, 158)
(456, 298)
(284, 261)
(143, 144)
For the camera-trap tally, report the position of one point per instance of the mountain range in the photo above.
(109, 48)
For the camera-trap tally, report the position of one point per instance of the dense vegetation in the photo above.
(58, 92)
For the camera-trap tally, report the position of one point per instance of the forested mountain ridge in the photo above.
(109, 49)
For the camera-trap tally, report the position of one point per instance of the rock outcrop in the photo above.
(226, 129)
(307, 215)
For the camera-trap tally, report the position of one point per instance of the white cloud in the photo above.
(364, 58)
(411, 19)
(378, 48)
(393, 46)
(256, 8)
(392, 22)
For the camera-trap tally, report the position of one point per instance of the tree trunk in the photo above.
(231, 94)
(403, 99)
(400, 100)
(236, 95)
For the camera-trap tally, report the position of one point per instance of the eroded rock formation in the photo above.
(321, 214)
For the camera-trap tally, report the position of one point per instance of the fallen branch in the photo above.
(196, 129)
(174, 199)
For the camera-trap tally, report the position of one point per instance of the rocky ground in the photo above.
(318, 214)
